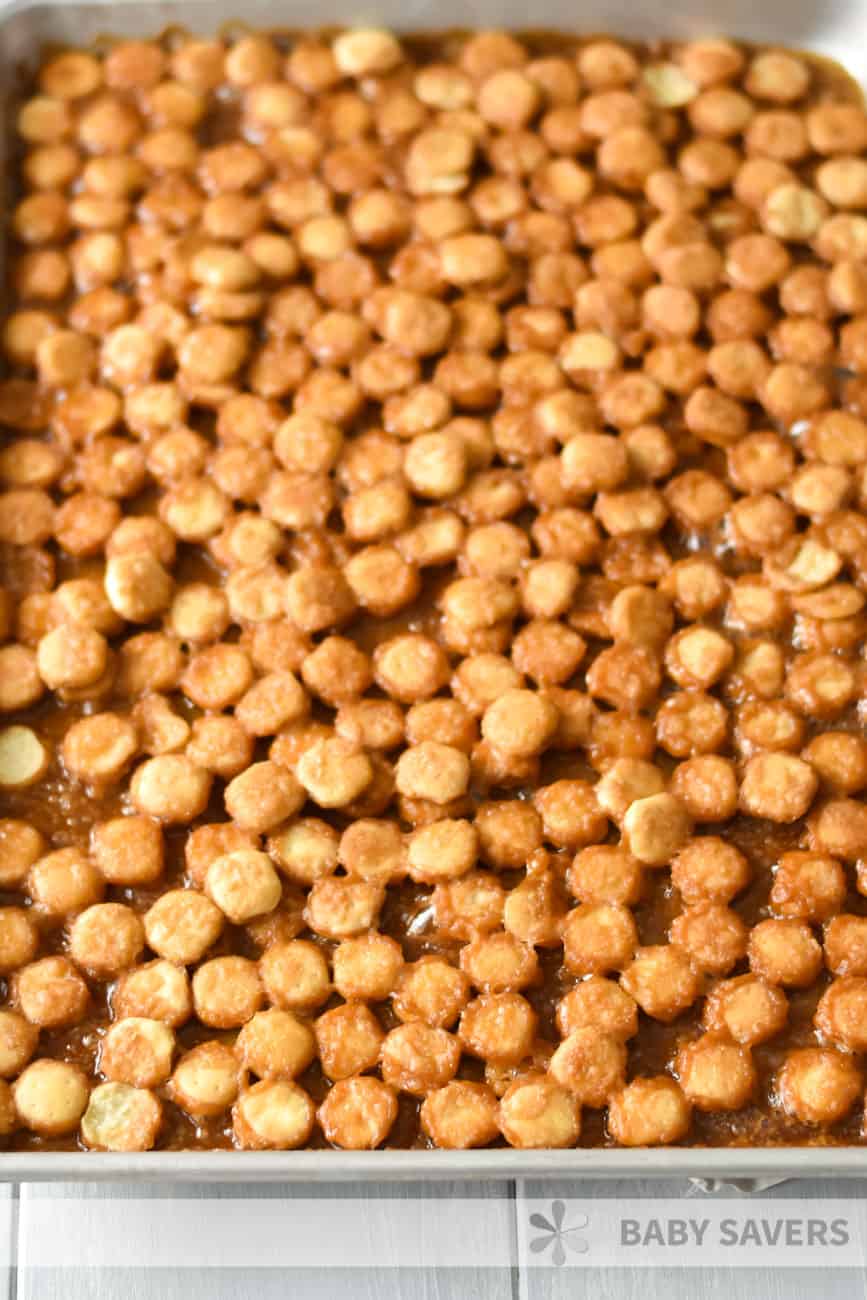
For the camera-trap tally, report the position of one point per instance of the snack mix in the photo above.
(433, 552)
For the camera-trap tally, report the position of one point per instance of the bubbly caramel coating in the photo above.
(158, 990)
(63, 881)
(714, 936)
(498, 1027)
(784, 952)
(170, 788)
(295, 975)
(358, 1113)
(211, 841)
(372, 849)
(430, 990)
(227, 992)
(591, 1066)
(537, 1112)
(138, 1052)
(432, 568)
(571, 816)
(275, 1114)
(778, 787)
(432, 771)
(808, 885)
(707, 786)
(597, 1001)
(649, 1112)
(818, 1085)
(348, 1040)
(182, 925)
(663, 980)
(460, 1116)
(333, 772)
(262, 796)
(441, 850)
(341, 907)
(707, 868)
(416, 1058)
(598, 937)
(716, 1074)
(21, 846)
(206, 1080)
(18, 1040)
(747, 1008)
(275, 1044)
(106, 939)
(839, 1012)
(367, 967)
(519, 723)
(605, 874)
(843, 943)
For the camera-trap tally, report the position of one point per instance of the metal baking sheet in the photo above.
(727, 1165)
(836, 28)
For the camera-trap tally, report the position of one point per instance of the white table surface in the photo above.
(26, 1281)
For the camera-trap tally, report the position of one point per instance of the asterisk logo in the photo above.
(555, 1237)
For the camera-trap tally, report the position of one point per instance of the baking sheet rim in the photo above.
(722, 1164)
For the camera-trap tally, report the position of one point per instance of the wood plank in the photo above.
(239, 1284)
(690, 1283)
(80, 1283)
(8, 1238)
(631, 1283)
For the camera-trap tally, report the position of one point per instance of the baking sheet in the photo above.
(836, 28)
(746, 1167)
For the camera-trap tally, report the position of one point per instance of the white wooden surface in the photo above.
(691, 1284)
(25, 1280)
